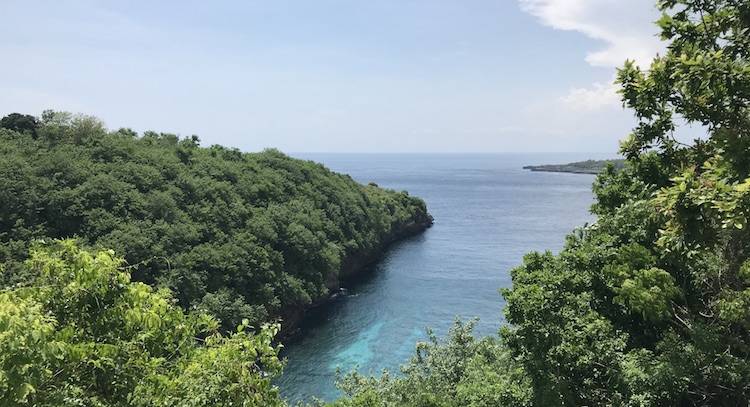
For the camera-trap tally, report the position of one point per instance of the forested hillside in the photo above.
(237, 235)
(650, 305)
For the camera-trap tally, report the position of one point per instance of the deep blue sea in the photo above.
(488, 213)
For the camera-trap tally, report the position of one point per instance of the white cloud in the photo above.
(624, 26)
(597, 96)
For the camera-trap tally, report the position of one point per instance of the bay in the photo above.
(488, 213)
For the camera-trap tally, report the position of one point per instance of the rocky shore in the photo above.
(352, 267)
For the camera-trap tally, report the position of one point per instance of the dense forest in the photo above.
(648, 306)
(237, 235)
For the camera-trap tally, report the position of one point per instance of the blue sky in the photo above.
(334, 75)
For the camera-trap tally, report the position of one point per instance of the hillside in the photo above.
(239, 235)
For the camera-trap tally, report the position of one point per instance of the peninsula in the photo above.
(580, 167)
(240, 236)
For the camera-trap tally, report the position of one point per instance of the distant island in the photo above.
(580, 167)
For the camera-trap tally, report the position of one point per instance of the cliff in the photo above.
(352, 266)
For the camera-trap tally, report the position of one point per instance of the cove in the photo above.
(488, 213)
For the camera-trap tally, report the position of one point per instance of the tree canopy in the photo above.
(238, 235)
(22, 123)
(81, 333)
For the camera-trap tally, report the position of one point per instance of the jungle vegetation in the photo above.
(238, 235)
(82, 333)
(143, 269)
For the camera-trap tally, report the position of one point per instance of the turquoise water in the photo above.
(488, 213)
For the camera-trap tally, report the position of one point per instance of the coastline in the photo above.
(351, 267)
(579, 167)
(562, 168)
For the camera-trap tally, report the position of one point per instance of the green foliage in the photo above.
(21, 123)
(455, 371)
(647, 306)
(84, 334)
(239, 235)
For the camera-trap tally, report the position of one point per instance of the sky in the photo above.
(334, 75)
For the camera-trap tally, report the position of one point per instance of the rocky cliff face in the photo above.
(352, 266)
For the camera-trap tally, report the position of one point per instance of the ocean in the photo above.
(488, 213)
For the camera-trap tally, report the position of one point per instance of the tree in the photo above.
(649, 306)
(22, 123)
(83, 334)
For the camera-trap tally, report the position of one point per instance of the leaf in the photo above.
(23, 392)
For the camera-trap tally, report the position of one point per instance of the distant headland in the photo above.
(580, 167)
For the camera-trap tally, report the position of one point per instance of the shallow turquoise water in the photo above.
(488, 213)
